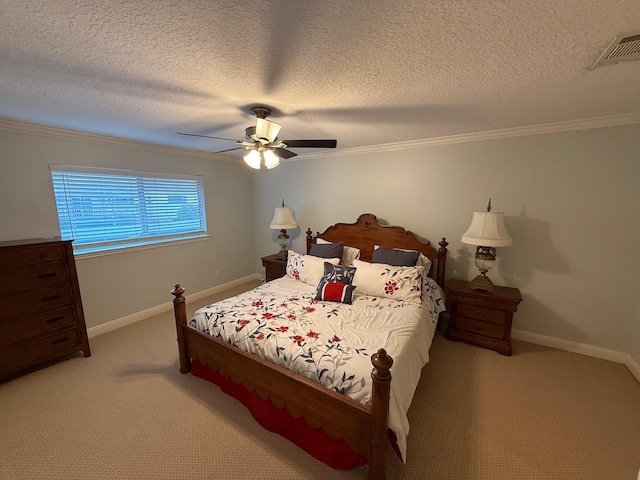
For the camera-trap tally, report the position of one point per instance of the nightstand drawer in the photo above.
(490, 302)
(479, 328)
(481, 313)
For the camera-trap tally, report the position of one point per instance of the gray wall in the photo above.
(571, 202)
(122, 284)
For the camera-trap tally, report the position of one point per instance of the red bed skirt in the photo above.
(335, 453)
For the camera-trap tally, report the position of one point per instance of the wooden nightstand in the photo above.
(482, 318)
(275, 266)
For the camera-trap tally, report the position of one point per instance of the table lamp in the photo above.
(283, 219)
(486, 231)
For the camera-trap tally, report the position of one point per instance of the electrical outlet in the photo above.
(217, 272)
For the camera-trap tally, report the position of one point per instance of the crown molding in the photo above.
(15, 126)
(558, 127)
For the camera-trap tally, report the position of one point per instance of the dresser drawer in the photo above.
(37, 325)
(33, 278)
(35, 302)
(481, 313)
(13, 258)
(479, 328)
(38, 349)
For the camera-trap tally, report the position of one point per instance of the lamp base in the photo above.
(283, 239)
(482, 283)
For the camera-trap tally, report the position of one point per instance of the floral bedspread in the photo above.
(330, 342)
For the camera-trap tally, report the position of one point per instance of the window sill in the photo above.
(80, 255)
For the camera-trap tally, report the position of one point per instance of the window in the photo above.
(107, 209)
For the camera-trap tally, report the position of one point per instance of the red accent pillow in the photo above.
(335, 292)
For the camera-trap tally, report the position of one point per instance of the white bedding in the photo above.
(331, 342)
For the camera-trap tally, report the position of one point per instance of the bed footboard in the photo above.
(363, 427)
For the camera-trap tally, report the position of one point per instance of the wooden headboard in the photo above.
(367, 232)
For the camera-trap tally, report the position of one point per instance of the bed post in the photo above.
(180, 313)
(309, 238)
(442, 261)
(381, 377)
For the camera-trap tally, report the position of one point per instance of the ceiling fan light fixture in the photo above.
(253, 159)
(271, 160)
(267, 130)
(262, 143)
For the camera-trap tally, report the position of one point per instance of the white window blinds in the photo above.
(103, 209)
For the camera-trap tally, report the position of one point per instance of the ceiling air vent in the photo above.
(623, 47)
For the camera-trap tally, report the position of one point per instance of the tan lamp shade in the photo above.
(487, 229)
(283, 219)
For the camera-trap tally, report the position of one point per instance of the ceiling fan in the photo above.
(263, 144)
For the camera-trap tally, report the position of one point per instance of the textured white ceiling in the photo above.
(365, 72)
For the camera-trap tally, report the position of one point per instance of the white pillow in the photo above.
(307, 268)
(382, 280)
(423, 260)
(349, 254)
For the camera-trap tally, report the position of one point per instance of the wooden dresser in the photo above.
(41, 316)
(482, 318)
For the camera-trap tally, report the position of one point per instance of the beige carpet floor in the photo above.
(127, 413)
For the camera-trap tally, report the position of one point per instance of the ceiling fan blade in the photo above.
(311, 143)
(282, 153)
(204, 136)
(267, 129)
(228, 150)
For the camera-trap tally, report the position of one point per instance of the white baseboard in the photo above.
(150, 312)
(581, 348)
(634, 368)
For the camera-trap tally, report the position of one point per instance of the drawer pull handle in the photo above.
(59, 341)
(47, 275)
(50, 298)
(479, 314)
(478, 328)
(55, 319)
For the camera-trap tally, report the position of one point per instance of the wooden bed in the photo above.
(362, 427)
